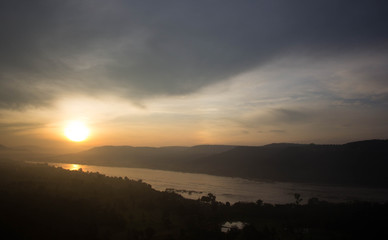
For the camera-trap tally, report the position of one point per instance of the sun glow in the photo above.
(76, 131)
(74, 167)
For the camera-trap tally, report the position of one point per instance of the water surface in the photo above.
(229, 189)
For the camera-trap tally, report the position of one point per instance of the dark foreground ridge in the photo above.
(363, 163)
(42, 202)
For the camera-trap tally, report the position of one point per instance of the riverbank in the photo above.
(43, 202)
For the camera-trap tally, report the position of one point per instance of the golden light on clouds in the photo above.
(76, 131)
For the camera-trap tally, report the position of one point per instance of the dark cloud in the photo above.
(17, 94)
(276, 117)
(19, 126)
(140, 49)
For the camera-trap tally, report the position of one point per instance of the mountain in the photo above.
(3, 148)
(363, 163)
(356, 163)
(146, 157)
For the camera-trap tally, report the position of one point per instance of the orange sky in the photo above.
(240, 111)
(190, 72)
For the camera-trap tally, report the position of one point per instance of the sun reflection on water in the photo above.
(74, 167)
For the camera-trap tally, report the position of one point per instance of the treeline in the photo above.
(42, 202)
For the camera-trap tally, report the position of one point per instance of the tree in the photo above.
(210, 198)
(298, 198)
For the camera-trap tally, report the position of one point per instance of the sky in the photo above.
(162, 73)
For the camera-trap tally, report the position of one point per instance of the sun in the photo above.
(76, 131)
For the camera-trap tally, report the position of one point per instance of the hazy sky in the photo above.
(160, 73)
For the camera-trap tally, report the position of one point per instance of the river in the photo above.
(228, 189)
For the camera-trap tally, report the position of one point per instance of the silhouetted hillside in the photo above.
(356, 163)
(42, 202)
(2, 147)
(145, 157)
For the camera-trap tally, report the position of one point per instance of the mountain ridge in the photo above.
(361, 163)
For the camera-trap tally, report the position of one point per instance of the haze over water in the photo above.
(228, 189)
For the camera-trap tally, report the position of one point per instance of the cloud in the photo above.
(364, 78)
(289, 116)
(140, 50)
(19, 126)
(269, 117)
(277, 131)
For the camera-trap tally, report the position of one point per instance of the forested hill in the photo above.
(356, 163)
(42, 202)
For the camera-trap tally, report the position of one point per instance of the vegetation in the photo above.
(361, 163)
(43, 202)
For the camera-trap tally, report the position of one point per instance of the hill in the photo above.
(144, 157)
(42, 202)
(362, 163)
(356, 163)
(2, 148)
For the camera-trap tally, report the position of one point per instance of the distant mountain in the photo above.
(25, 153)
(355, 163)
(19, 148)
(146, 157)
(2, 147)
